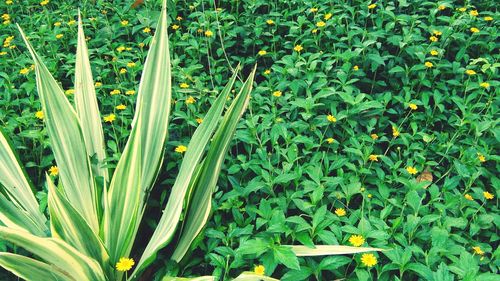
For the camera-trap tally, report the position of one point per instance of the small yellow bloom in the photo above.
(331, 118)
(270, 22)
(441, 7)
(124, 22)
(355, 68)
(277, 94)
(395, 132)
(428, 64)
(463, 9)
(411, 170)
(44, 2)
(468, 197)
(131, 64)
(373, 157)
(374, 136)
(146, 30)
(6, 17)
(39, 115)
(181, 149)
(175, 27)
(314, 31)
(141, 45)
(413, 106)
(372, 6)
(120, 49)
(488, 18)
(72, 22)
(32, 67)
(130, 92)
(184, 85)
(125, 264)
(69, 92)
(356, 240)
(433, 38)
(179, 18)
(57, 23)
(115, 92)
(330, 140)
(24, 71)
(259, 270)
(369, 195)
(488, 195)
(98, 84)
(340, 212)
(478, 251)
(59, 36)
(474, 13)
(53, 171)
(470, 72)
(434, 52)
(8, 2)
(267, 71)
(437, 32)
(313, 10)
(484, 85)
(262, 52)
(190, 100)
(199, 120)
(320, 24)
(123, 70)
(121, 107)
(368, 260)
(110, 118)
(298, 48)
(328, 16)
(474, 30)
(209, 33)
(3, 53)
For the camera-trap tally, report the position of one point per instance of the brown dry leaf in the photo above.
(137, 3)
(426, 176)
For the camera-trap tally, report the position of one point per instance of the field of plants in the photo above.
(372, 125)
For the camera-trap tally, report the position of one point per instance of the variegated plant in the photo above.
(91, 227)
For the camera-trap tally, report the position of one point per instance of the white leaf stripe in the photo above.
(32, 270)
(322, 250)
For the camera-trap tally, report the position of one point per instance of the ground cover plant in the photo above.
(370, 124)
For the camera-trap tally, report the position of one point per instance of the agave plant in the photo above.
(95, 212)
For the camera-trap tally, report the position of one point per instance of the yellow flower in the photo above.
(72, 22)
(59, 36)
(69, 91)
(130, 92)
(474, 13)
(146, 30)
(468, 197)
(373, 157)
(368, 260)
(355, 68)
(356, 240)
(199, 120)
(110, 118)
(463, 9)
(53, 171)
(478, 251)
(123, 71)
(320, 24)
(209, 33)
(181, 149)
(488, 195)
(277, 94)
(330, 140)
(413, 106)
(433, 38)
(8, 2)
(120, 49)
(428, 64)
(313, 10)
(175, 27)
(184, 85)
(331, 118)
(259, 270)
(484, 85)
(470, 72)
(32, 67)
(131, 64)
(3, 53)
(411, 170)
(328, 16)
(372, 6)
(24, 71)
(314, 31)
(179, 18)
(124, 22)
(270, 22)
(141, 45)
(437, 32)
(488, 18)
(340, 212)
(370, 196)
(298, 48)
(115, 92)
(190, 100)
(44, 2)
(374, 136)
(125, 264)
(441, 7)
(262, 52)
(434, 52)
(267, 71)
(395, 132)
(6, 17)
(121, 107)
(98, 84)
(474, 30)
(39, 115)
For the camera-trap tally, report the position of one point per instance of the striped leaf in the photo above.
(18, 188)
(68, 225)
(324, 250)
(139, 165)
(196, 148)
(250, 276)
(201, 203)
(86, 105)
(67, 142)
(57, 253)
(202, 278)
(32, 270)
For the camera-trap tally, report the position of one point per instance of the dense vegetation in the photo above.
(371, 119)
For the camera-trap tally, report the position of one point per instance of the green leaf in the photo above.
(286, 256)
(32, 270)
